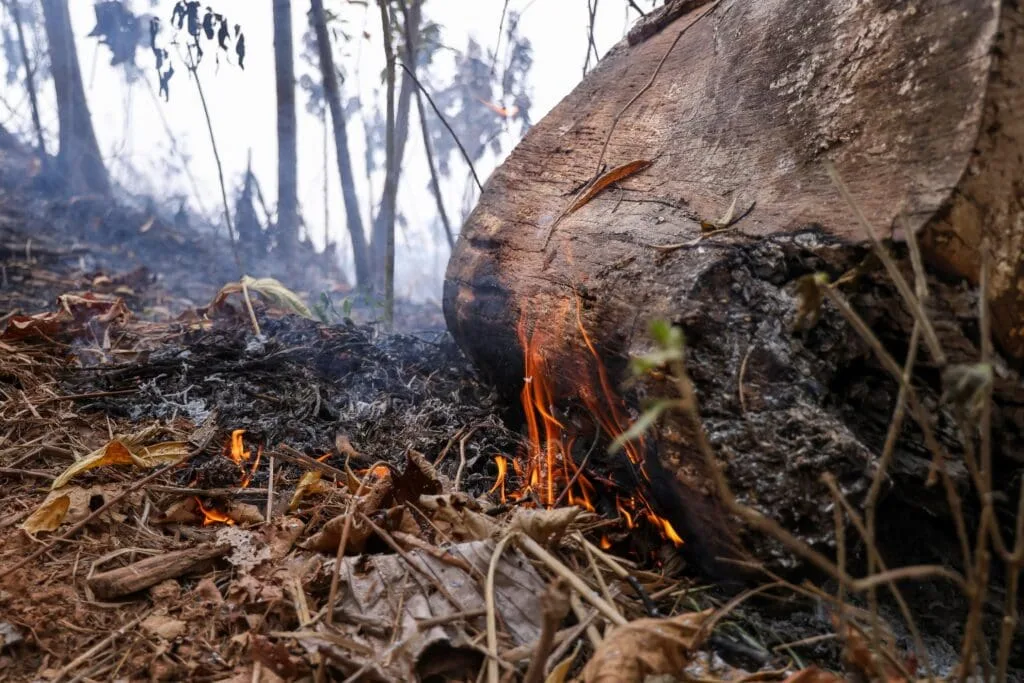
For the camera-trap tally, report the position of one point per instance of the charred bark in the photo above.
(738, 104)
(78, 160)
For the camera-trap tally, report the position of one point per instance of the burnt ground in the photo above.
(146, 363)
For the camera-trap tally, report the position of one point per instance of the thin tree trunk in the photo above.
(79, 159)
(348, 190)
(435, 185)
(287, 130)
(30, 81)
(390, 176)
(384, 225)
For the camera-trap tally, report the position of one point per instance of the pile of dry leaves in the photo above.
(176, 545)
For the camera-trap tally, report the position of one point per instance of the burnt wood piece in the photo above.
(918, 106)
(149, 572)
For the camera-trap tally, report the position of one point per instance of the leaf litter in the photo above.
(317, 561)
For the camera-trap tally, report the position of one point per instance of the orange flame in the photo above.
(211, 516)
(237, 451)
(499, 483)
(501, 111)
(547, 468)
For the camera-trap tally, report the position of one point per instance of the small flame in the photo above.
(606, 543)
(237, 451)
(499, 483)
(666, 529)
(211, 516)
(247, 478)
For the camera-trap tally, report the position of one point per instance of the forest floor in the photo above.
(199, 490)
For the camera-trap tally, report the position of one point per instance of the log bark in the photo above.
(737, 104)
(149, 572)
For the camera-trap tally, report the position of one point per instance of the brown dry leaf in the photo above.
(163, 626)
(283, 534)
(244, 513)
(645, 647)
(463, 515)
(71, 505)
(613, 176)
(562, 669)
(384, 589)
(544, 525)
(327, 539)
(73, 310)
(309, 485)
(117, 453)
(49, 515)
(419, 478)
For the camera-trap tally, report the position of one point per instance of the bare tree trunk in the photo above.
(360, 253)
(287, 155)
(384, 225)
(79, 159)
(410, 68)
(390, 176)
(30, 81)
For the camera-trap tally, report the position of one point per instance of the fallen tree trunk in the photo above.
(737, 104)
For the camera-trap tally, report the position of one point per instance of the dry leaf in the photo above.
(270, 289)
(562, 669)
(163, 626)
(71, 505)
(117, 453)
(645, 647)
(613, 176)
(327, 539)
(309, 485)
(544, 525)
(463, 514)
(244, 513)
(49, 515)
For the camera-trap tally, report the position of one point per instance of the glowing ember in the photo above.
(546, 469)
(211, 516)
(378, 472)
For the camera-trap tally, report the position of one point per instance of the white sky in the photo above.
(242, 104)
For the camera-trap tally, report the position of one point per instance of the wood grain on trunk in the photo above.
(917, 104)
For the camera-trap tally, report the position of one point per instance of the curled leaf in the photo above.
(49, 515)
(646, 647)
(117, 453)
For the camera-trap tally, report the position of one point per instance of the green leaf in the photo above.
(642, 425)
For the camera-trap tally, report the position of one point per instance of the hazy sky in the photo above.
(242, 103)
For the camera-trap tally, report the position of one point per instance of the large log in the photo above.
(738, 103)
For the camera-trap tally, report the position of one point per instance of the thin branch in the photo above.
(194, 70)
(455, 137)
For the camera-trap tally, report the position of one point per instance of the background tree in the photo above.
(407, 48)
(332, 92)
(287, 130)
(30, 85)
(78, 160)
